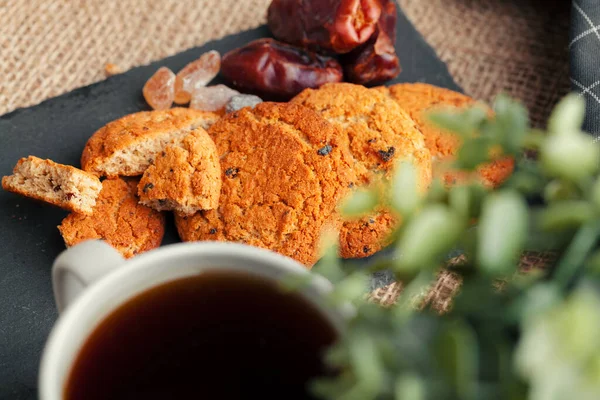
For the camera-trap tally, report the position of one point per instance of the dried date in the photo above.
(332, 25)
(270, 68)
(376, 61)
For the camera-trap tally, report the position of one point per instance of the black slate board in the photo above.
(58, 129)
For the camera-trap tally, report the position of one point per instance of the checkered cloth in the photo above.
(584, 47)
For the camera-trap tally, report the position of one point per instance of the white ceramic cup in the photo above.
(91, 279)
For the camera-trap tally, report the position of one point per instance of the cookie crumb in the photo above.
(111, 69)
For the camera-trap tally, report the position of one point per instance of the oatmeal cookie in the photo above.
(284, 169)
(379, 134)
(416, 98)
(117, 218)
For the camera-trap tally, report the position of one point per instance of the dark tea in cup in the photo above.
(217, 335)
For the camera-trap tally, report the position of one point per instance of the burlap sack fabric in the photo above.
(48, 47)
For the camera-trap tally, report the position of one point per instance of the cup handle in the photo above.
(79, 266)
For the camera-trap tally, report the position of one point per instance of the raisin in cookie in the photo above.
(185, 178)
(118, 218)
(416, 99)
(61, 185)
(284, 171)
(128, 145)
(379, 134)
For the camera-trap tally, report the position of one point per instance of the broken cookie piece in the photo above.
(117, 218)
(61, 185)
(129, 145)
(184, 178)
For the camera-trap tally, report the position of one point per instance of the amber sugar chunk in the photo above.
(159, 90)
(196, 74)
(212, 98)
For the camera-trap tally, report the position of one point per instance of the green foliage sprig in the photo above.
(536, 338)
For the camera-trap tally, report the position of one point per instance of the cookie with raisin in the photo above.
(118, 218)
(379, 135)
(185, 177)
(284, 171)
(417, 99)
(61, 185)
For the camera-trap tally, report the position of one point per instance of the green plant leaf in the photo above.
(564, 215)
(466, 200)
(544, 241)
(359, 203)
(574, 257)
(526, 182)
(567, 115)
(533, 139)
(456, 354)
(337, 355)
(437, 192)
(413, 293)
(459, 199)
(557, 349)
(452, 119)
(593, 263)
(557, 190)
(570, 157)
(367, 365)
(331, 388)
(329, 265)
(595, 194)
(473, 153)
(351, 287)
(409, 387)
(405, 196)
(501, 232)
(513, 122)
(540, 299)
(293, 282)
(431, 233)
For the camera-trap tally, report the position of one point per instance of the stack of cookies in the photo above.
(270, 176)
